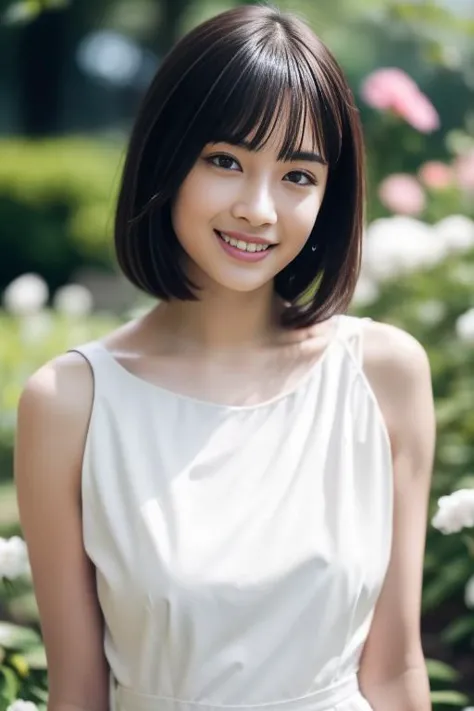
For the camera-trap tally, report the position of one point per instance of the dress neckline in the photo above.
(314, 369)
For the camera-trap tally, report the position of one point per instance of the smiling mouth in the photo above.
(242, 245)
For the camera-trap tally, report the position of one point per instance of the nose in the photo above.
(256, 205)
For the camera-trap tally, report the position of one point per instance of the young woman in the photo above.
(225, 500)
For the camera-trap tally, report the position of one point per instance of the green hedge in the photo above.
(56, 206)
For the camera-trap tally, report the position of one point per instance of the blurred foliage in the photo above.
(56, 201)
(28, 10)
(22, 666)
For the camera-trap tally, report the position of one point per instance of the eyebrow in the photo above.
(294, 156)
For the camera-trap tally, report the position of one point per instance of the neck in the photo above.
(222, 321)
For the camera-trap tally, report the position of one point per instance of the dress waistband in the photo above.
(126, 699)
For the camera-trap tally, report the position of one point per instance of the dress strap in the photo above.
(351, 333)
(97, 358)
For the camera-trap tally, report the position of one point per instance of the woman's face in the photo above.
(241, 216)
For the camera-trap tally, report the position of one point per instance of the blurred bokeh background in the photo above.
(72, 73)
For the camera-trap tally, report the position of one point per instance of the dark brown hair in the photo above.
(229, 78)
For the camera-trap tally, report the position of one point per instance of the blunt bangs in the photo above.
(240, 77)
(267, 89)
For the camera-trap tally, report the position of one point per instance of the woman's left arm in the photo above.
(393, 674)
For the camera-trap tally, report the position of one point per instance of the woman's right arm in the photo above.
(53, 418)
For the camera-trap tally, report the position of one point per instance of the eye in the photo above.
(298, 177)
(221, 160)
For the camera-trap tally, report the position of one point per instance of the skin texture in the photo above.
(232, 188)
(229, 347)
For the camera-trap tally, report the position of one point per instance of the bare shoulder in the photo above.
(63, 385)
(398, 370)
(392, 352)
(53, 415)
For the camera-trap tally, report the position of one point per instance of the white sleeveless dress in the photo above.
(239, 550)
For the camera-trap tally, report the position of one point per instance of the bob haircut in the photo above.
(231, 79)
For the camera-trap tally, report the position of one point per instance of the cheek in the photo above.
(197, 202)
(304, 215)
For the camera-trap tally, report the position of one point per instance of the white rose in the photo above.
(469, 593)
(465, 327)
(13, 558)
(399, 245)
(21, 705)
(456, 232)
(455, 511)
(26, 295)
(73, 300)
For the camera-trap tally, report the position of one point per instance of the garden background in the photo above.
(72, 74)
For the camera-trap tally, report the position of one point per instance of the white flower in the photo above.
(399, 245)
(456, 232)
(21, 705)
(455, 511)
(73, 300)
(13, 558)
(465, 327)
(26, 295)
(469, 593)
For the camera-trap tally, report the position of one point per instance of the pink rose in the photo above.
(402, 194)
(391, 89)
(436, 175)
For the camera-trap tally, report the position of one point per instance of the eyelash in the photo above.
(211, 160)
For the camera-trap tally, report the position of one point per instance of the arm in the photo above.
(52, 423)
(393, 674)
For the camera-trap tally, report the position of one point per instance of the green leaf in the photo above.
(439, 671)
(17, 637)
(450, 698)
(455, 575)
(469, 541)
(19, 664)
(458, 630)
(36, 658)
(39, 694)
(9, 684)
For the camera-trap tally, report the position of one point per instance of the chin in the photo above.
(243, 287)
(238, 284)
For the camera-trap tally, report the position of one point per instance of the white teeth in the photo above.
(244, 246)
